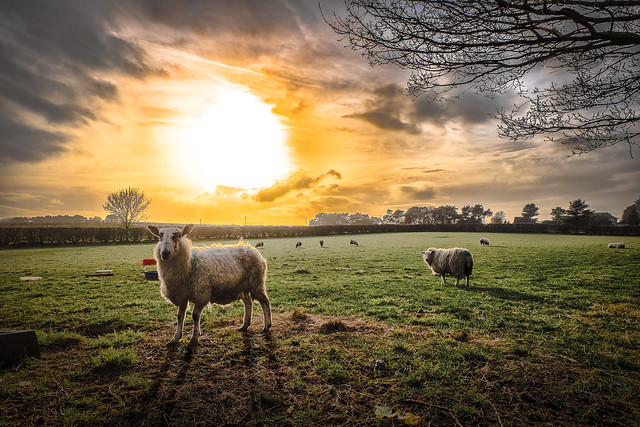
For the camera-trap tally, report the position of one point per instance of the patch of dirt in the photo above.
(232, 377)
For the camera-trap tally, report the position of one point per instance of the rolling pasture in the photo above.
(547, 333)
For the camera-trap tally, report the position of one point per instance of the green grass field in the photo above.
(547, 333)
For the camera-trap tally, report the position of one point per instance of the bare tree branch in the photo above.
(493, 45)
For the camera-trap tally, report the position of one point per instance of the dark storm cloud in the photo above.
(50, 53)
(386, 110)
(25, 143)
(385, 119)
(470, 108)
(390, 109)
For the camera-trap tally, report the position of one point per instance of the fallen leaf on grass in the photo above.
(406, 418)
(385, 412)
(410, 419)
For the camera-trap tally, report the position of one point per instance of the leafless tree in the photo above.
(129, 205)
(591, 47)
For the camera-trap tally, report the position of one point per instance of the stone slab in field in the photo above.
(18, 343)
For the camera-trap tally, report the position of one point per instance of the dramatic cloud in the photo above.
(387, 110)
(102, 93)
(255, 19)
(51, 55)
(24, 143)
(391, 109)
(297, 181)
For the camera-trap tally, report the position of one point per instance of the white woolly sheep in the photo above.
(259, 245)
(298, 244)
(484, 241)
(457, 262)
(215, 274)
(353, 242)
(617, 245)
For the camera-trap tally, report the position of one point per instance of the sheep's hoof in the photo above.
(192, 346)
(173, 343)
(243, 328)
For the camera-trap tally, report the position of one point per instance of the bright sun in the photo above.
(236, 141)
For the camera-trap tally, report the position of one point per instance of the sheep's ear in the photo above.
(187, 229)
(153, 230)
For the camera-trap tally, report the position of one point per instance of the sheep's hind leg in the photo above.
(248, 310)
(266, 310)
(182, 309)
(442, 279)
(197, 311)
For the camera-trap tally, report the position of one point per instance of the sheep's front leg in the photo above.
(182, 309)
(442, 279)
(457, 281)
(197, 311)
(248, 310)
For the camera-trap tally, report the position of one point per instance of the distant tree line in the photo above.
(576, 218)
(577, 214)
(52, 235)
(60, 219)
(416, 215)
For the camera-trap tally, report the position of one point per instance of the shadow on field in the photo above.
(502, 293)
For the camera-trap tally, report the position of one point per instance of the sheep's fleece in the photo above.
(215, 274)
(457, 262)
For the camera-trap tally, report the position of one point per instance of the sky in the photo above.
(226, 112)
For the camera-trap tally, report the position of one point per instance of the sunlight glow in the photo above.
(237, 141)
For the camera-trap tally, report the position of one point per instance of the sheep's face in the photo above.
(428, 255)
(169, 239)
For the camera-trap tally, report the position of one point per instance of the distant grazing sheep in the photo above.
(322, 243)
(617, 245)
(353, 242)
(215, 274)
(457, 262)
(259, 245)
(484, 241)
(298, 244)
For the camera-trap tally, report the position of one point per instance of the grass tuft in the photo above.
(118, 339)
(58, 340)
(298, 315)
(113, 359)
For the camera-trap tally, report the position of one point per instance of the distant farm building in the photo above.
(523, 220)
(604, 218)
